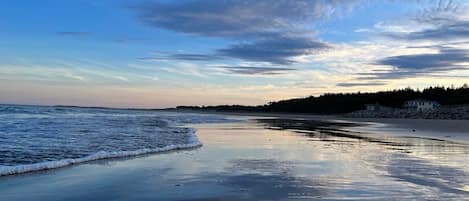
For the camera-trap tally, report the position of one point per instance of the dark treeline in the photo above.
(348, 102)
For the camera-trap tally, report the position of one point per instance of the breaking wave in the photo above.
(34, 138)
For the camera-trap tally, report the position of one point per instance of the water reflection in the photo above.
(263, 179)
(424, 173)
(336, 132)
(423, 163)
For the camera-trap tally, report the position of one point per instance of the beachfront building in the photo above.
(421, 105)
(377, 107)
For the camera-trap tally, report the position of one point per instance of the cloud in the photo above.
(73, 33)
(432, 43)
(76, 77)
(130, 40)
(270, 31)
(445, 21)
(389, 75)
(121, 78)
(424, 64)
(446, 58)
(442, 12)
(247, 70)
(274, 50)
(184, 57)
(454, 30)
(237, 19)
(281, 50)
(358, 84)
(183, 68)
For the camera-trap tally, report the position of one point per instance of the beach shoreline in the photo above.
(263, 160)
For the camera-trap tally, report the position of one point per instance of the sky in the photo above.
(157, 54)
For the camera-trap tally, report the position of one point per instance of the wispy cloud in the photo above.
(416, 65)
(130, 40)
(251, 70)
(183, 57)
(121, 78)
(358, 84)
(280, 50)
(454, 30)
(431, 42)
(183, 68)
(444, 20)
(73, 33)
(446, 58)
(74, 76)
(238, 19)
(274, 50)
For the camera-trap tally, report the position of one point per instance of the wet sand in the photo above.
(454, 130)
(267, 159)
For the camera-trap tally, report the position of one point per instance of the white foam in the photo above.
(11, 170)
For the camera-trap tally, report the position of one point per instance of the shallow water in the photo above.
(266, 160)
(35, 137)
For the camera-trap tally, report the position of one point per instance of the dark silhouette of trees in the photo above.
(348, 102)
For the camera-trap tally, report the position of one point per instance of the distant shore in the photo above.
(454, 112)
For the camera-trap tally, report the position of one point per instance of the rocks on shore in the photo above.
(446, 112)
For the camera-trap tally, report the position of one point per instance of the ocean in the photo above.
(44, 137)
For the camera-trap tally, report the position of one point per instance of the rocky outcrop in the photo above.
(446, 112)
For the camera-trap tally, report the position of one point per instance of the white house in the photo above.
(421, 105)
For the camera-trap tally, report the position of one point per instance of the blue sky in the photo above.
(202, 52)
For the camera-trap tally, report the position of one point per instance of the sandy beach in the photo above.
(267, 160)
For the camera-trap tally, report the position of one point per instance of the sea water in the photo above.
(41, 137)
